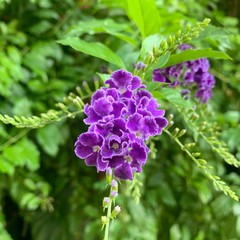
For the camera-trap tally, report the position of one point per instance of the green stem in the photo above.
(108, 223)
(14, 139)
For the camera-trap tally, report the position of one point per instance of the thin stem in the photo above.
(182, 147)
(108, 222)
(14, 139)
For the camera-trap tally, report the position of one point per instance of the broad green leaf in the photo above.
(218, 36)
(146, 16)
(193, 54)
(95, 49)
(153, 86)
(104, 76)
(51, 137)
(162, 61)
(173, 96)
(6, 166)
(119, 30)
(23, 153)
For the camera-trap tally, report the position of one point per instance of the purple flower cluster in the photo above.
(192, 72)
(121, 118)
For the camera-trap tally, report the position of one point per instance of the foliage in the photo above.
(50, 54)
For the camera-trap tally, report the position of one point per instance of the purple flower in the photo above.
(120, 118)
(193, 73)
(158, 75)
(88, 147)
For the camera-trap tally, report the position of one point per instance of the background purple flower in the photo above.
(192, 72)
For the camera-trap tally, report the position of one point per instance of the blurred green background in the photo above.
(46, 192)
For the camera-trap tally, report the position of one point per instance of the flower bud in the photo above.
(163, 45)
(175, 132)
(86, 87)
(114, 185)
(196, 154)
(115, 211)
(113, 194)
(104, 220)
(170, 117)
(181, 133)
(189, 145)
(178, 34)
(109, 175)
(106, 202)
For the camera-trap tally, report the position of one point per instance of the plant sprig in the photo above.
(200, 162)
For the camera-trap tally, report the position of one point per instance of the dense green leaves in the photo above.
(95, 49)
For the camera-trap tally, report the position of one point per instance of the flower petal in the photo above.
(101, 164)
(116, 161)
(102, 107)
(161, 122)
(90, 139)
(93, 117)
(150, 126)
(134, 122)
(124, 172)
(92, 159)
(138, 153)
(83, 151)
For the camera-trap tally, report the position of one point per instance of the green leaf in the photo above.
(23, 153)
(104, 76)
(175, 232)
(193, 54)
(3, 233)
(95, 49)
(146, 16)
(6, 166)
(119, 30)
(30, 201)
(162, 61)
(173, 96)
(51, 137)
(218, 36)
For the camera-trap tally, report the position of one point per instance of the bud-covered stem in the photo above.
(108, 222)
(107, 203)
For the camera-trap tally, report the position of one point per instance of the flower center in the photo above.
(128, 159)
(115, 146)
(138, 135)
(96, 148)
